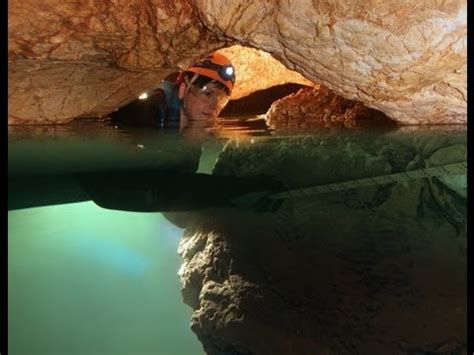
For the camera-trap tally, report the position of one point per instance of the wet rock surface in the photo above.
(137, 35)
(375, 270)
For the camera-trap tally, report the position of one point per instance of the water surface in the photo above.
(84, 279)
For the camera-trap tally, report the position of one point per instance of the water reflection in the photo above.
(372, 269)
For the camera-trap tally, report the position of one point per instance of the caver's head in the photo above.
(205, 87)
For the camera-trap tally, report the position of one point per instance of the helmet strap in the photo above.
(184, 100)
(190, 82)
(188, 86)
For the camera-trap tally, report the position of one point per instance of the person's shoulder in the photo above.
(165, 85)
(168, 83)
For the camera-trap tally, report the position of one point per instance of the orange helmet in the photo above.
(215, 66)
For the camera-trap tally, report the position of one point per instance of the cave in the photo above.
(324, 211)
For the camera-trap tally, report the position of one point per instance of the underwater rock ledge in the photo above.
(376, 270)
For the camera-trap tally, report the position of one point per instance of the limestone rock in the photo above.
(137, 35)
(404, 58)
(89, 58)
(376, 270)
(46, 92)
(257, 70)
(319, 107)
(86, 58)
(259, 102)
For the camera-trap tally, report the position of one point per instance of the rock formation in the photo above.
(257, 70)
(375, 270)
(91, 58)
(84, 58)
(319, 107)
(404, 58)
(46, 92)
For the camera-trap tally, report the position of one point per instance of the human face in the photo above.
(203, 104)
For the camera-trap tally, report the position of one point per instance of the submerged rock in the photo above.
(375, 270)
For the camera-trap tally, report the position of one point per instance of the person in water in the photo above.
(193, 99)
(190, 101)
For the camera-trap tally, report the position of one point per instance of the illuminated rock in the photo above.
(406, 59)
(257, 70)
(319, 107)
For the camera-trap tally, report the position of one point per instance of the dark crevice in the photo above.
(259, 102)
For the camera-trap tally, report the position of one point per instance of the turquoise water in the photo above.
(86, 280)
(89, 280)
(83, 279)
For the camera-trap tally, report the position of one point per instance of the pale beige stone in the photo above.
(405, 58)
(257, 70)
(46, 92)
(135, 35)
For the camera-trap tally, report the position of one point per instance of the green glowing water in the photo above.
(88, 280)
(85, 280)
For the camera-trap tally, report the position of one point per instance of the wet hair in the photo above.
(202, 80)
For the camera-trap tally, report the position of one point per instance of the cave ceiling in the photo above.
(86, 58)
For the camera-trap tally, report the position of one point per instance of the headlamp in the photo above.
(225, 72)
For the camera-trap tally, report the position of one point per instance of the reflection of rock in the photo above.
(318, 107)
(456, 152)
(89, 146)
(376, 270)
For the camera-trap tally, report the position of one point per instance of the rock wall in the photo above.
(259, 102)
(134, 35)
(55, 92)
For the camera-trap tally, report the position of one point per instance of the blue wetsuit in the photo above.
(169, 110)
